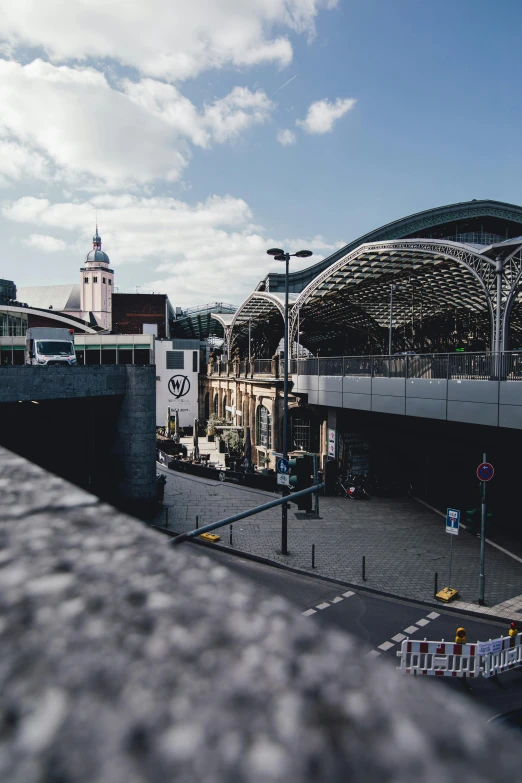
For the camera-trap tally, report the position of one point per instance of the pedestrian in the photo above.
(513, 630)
(460, 637)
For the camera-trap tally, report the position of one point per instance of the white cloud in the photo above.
(220, 121)
(165, 39)
(93, 134)
(286, 137)
(188, 249)
(323, 114)
(17, 162)
(44, 242)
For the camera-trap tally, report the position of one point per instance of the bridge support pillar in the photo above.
(135, 442)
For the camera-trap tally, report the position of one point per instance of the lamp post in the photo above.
(280, 255)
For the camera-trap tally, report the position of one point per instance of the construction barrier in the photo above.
(441, 659)
(504, 654)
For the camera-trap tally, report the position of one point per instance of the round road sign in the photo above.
(485, 471)
(283, 465)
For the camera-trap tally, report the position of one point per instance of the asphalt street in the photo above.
(376, 620)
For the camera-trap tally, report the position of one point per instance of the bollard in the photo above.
(167, 517)
(231, 535)
(197, 521)
(364, 568)
(436, 588)
(313, 555)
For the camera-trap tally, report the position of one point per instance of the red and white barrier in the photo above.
(505, 654)
(439, 659)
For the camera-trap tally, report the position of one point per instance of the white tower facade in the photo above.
(96, 285)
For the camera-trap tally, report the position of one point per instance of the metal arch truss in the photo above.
(453, 273)
(258, 307)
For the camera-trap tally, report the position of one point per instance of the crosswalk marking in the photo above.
(433, 615)
(322, 606)
(336, 599)
(386, 646)
(373, 654)
(398, 637)
(411, 629)
(309, 612)
(422, 623)
(348, 594)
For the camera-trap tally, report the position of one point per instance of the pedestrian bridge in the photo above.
(470, 388)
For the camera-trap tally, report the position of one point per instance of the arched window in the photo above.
(263, 427)
(225, 412)
(206, 413)
(216, 404)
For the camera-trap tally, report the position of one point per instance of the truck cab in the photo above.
(47, 346)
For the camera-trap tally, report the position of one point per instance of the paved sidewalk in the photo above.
(404, 542)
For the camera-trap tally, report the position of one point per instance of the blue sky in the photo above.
(167, 120)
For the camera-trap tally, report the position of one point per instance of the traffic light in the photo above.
(301, 477)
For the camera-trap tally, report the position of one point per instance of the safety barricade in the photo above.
(439, 659)
(501, 655)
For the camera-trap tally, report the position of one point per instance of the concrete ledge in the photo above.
(126, 661)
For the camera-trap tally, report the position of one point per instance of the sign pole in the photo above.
(482, 539)
(451, 561)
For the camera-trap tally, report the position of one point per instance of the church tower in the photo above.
(96, 285)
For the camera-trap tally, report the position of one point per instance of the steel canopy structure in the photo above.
(445, 293)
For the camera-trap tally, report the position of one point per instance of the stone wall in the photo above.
(127, 661)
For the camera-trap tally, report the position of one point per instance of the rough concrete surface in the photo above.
(125, 660)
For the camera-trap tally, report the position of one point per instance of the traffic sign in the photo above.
(283, 466)
(284, 479)
(485, 471)
(452, 521)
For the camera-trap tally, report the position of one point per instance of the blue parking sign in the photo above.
(452, 521)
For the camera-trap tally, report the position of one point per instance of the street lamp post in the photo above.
(280, 255)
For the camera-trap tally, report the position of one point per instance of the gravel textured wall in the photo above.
(125, 660)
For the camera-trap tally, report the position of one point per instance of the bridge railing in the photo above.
(459, 366)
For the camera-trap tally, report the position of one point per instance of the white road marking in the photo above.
(399, 637)
(373, 654)
(386, 646)
(309, 612)
(348, 594)
(433, 615)
(422, 623)
(336, 600)
(411, 629)
(322, 606)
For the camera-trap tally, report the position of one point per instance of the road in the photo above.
(376, 620)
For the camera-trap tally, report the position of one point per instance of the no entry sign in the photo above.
(485, 471)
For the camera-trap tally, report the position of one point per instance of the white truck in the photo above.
(45, 346)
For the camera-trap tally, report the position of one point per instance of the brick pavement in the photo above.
(404, 542)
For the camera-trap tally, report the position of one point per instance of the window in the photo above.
(194, 361)
(225, 412)
(216, 404)
(175, 360)
(85, 279)
(103, 280)
(264, 427)
(110, 281)
(94, 279)
(304, 433)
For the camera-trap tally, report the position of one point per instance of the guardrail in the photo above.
(465, 366)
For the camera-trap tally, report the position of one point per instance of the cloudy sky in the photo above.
(204, 132)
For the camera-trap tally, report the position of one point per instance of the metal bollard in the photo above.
(167, 517)
(436, 588)
(313, 555)
(197, 521)
(364, 568)
(231, 544)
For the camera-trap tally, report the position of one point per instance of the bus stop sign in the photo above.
(485, 471)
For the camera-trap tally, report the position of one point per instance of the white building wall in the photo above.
(178, 387)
